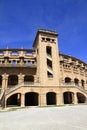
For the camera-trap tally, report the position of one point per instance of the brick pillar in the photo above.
(22, 100)
(43, 100)
(20, 78)
(75, 98)
(4, 81)
(60, 100)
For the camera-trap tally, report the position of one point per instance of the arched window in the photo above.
(67, 80)
(76, 81)
(13, 80)
(82, 82)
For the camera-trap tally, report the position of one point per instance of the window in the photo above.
(49, 50)
(49, 75)
(43, 39)
(48, 39)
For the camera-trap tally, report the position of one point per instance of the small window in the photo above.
(43, 39)
(53, 40)
(48, 39)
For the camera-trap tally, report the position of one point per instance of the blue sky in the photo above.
(20, 19)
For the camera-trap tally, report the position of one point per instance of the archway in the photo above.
(81, 98)
(51, 98)
(68, 97)
(31, 99)
(12, 80)
(14, 100)
(29, 78)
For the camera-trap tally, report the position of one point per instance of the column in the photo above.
(22, 100)
(20, 78)
(60, 100)
(75, 98)
(43, 99)
(4, 81)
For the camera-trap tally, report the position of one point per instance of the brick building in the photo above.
(41, 76)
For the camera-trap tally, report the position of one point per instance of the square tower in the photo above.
(47, 54)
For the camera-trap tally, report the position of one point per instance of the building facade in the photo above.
(41, 76)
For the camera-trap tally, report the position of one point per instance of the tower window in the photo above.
(43, 39)
(49, 50)
(49, 63)
(48, 39)
(49, 75)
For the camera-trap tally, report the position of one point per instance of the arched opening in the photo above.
(81, 98)
(51, 98)
(29, 78)
(14, 100)
(31, 99)
(0, 81)
(68, 97)
(67, 80)
(82, 83)
(76, 81)
(12, 80)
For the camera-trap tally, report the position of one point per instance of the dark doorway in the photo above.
(31, 99)
(51, 98)
(14, 100)
(68, 97)
(81, 98)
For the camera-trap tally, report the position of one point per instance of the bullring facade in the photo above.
(41, 76)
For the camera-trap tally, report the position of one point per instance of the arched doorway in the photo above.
(29, 78)
(68, 97)
(12, 80)
(14, 100)
(51, 98)
(81, 98)
(31, 99)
